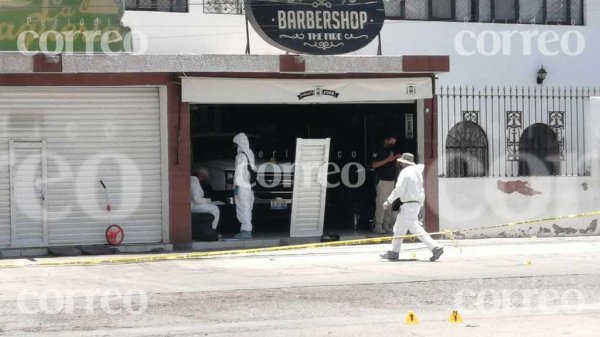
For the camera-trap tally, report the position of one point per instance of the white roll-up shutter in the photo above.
(91, 133)
(28, 193)
(4, 194)
(310, 187)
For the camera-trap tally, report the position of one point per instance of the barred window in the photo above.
(505, 10)
(180, 6)
(575, 11)
(224, 7)
(531, 11)
(464, 10)
(393, 8)
(416, 9)
(442, 9)
(554, 12)
(558, 12)
(532, 133)
(485, 11)
(539, 151)
(467, 151)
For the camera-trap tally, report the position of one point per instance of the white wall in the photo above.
(595, 135)
(481, 203)
(200, 33)
(472, 202)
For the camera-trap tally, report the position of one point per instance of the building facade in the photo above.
(530, 145)
(74, 124)
(499, 146)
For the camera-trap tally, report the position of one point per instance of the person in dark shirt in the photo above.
(384, 164)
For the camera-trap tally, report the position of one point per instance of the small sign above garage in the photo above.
(214, 90)
(320, 27)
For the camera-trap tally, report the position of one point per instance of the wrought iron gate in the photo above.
(513, 124)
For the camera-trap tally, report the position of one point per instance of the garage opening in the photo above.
(356, 132)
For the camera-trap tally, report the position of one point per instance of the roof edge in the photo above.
(16, 63)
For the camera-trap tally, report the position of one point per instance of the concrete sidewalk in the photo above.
(260, 240)
(454, 249)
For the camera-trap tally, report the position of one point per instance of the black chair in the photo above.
(202, 227)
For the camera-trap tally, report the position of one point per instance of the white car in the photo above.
(274, 180)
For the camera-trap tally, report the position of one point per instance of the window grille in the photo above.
(539, 151)
(467, 150)
(551, 12)
(180, 6)
(506, 117)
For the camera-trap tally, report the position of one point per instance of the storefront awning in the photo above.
(214, 90)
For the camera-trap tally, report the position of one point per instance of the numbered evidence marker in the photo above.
(455, 317)
(411, 318)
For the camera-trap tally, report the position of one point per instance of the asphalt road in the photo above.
(504, 287)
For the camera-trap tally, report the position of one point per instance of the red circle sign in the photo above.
(114, 235)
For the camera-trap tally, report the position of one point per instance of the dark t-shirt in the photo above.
(386, 172)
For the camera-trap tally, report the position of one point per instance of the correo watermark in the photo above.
(522, 301)
(57, 42)
(525, 43)
(61, 301)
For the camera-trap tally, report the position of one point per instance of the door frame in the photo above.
(13, 209)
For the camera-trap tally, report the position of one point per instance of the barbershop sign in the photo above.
(63, 26)
(321, 27)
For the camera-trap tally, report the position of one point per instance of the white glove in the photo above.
(386, 205)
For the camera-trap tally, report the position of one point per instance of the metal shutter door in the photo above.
(4, 190)
(92, 133)
(28, 186)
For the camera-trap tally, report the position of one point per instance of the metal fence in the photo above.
(158, 5)
(558, 12)
(224, 6)
(527, 131)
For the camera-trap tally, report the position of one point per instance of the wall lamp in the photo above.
(541, 75)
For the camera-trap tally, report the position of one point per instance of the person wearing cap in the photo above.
(409, 189)
(384, 165)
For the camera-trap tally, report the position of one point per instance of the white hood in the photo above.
(241, 140)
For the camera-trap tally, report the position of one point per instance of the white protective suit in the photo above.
(244, 197)
(410, 190)
(200, 204)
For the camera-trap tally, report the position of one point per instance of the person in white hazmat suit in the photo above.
(199, 203)
(243, 195)
(409, 189)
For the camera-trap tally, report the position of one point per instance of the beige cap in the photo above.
(407, 158)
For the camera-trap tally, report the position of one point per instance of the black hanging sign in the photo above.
(321, 27)
(318, 91)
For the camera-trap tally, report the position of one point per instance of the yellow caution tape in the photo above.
(200, 255)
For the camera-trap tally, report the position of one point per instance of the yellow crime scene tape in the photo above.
(199, 255)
